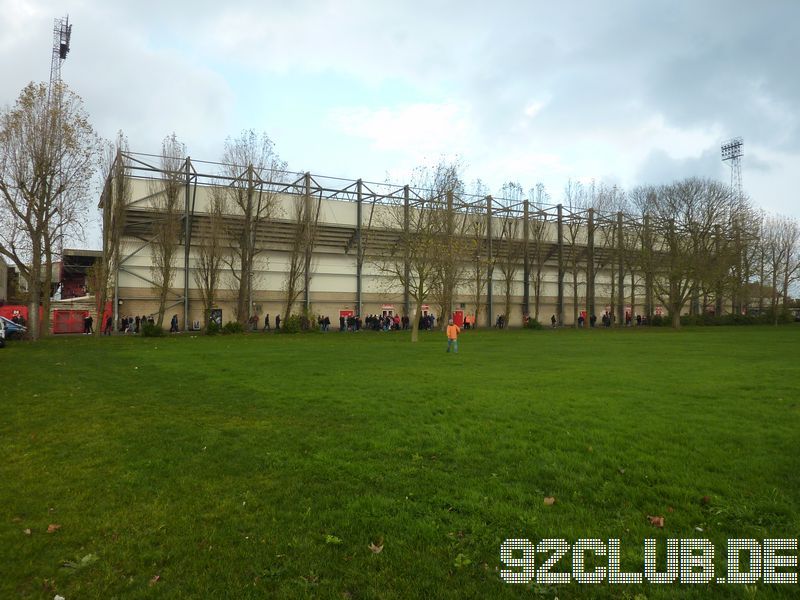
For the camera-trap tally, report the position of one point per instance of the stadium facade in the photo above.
(538, 253)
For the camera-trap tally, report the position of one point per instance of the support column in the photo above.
(560, 238)
(647, 249)
(448, 271)
(116, 297)
(359, 250)
(490, 269)
(251, 243)
(526, 267)
(406, 265)
(620, 273)
(187, 230)
(307, 257)
(718, 291)
(590, 275)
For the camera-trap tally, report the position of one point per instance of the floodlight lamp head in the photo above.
(732, 149)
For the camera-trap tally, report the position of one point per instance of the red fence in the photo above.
(69, 321)
(64, 321)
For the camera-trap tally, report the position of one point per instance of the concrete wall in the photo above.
(333, 285)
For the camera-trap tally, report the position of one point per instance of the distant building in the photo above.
(69, 277)
(73, 272)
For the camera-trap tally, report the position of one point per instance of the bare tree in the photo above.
(577, 201)
(743, 253)
(510, 253)
(412, 261)
(210, 251)
(166, 200)
(790, 249)
(687, 212)
(113, 203)
(47, 150)
(642, 200)
(781, 244)
(255, 171)
(305, 220)
(538, 230)
(445, 188)
(481, 261)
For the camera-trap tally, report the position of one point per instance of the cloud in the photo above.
(414, 129)
(660, 168)
(628, 91)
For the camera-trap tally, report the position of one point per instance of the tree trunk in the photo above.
(35, 290)
(44, 327)
(675, 316)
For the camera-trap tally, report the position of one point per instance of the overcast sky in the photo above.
(622, 91)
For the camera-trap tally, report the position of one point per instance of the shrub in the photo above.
(152, 330)
(292, 324)
(533, 324)
(659, 321)
(232, 327)
(784, 316)
(738, 320)
(692, 320)
(212, 328)
(766, 318)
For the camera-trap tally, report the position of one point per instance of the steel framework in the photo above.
(364, 237)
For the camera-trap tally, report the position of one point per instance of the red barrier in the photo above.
(10, 310)
(64, 321)
(69, 321)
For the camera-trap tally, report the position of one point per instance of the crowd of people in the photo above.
(130, 324)
(372, 322)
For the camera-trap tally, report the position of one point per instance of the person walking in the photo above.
(452, 336)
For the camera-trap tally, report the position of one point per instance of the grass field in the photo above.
(267, 465)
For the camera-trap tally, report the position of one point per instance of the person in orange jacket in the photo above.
(452, 336)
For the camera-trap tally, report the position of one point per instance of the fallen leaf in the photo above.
(375, 548)
(656, 521)
(621, 471)
(705, 500)
(549, 501)
(670, 509)
(52, 528)
(155, 580)
(27, 532)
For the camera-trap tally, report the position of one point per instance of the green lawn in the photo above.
(265, 465)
